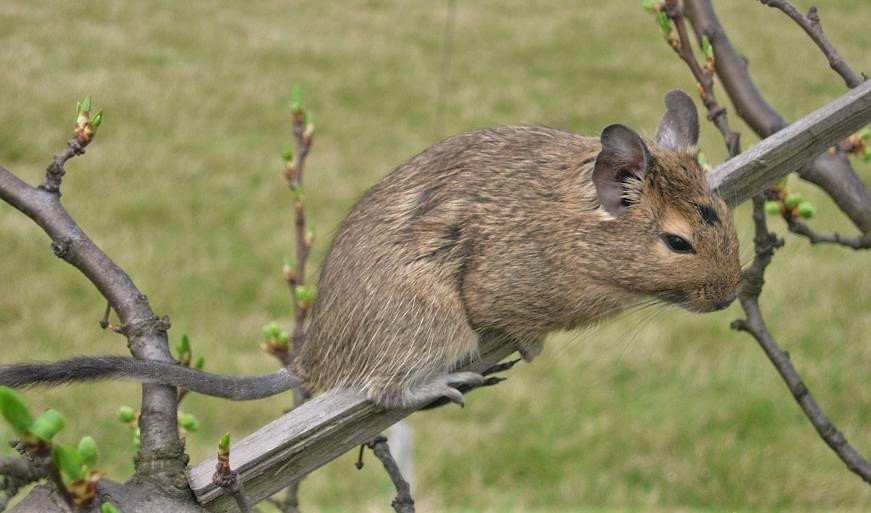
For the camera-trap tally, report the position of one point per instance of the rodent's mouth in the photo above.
(704, 304)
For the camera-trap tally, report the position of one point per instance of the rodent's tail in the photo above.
(91, 368)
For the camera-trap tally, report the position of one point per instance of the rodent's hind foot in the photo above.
(441, 389)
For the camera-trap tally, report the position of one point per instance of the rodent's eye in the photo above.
(677, 243)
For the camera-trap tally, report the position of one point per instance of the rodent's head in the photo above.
(677, 236)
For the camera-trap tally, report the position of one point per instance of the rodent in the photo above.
(515, 230)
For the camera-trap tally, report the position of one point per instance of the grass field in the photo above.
(662, 412)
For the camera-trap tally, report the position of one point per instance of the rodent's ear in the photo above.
(679, 127)
(624, 158)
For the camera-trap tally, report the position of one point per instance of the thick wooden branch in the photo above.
(308, 437)
(791, 148)
(331, 424)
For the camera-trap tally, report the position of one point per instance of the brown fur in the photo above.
(502, 230)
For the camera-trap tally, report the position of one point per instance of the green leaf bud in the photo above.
(772, 207)
(98, 118)
(649, 5)
(806, 210)
(48, 424)
(304, 293)
(15, 410)
(224, 444)
(865, 133)
(296, 103)
(271, 330)
(664, 22)
(125, 414)
(108, 507)
(707, 49)
(69, 462)
(199, 363)
(287, 154)
(189, 422)
(88, 451)
(792, 200)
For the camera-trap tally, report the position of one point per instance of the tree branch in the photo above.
(832, 173)
(812, 27)
(161, 451)
(766, 243)
(403, 503)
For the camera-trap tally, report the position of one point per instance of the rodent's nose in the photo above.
(726, 301)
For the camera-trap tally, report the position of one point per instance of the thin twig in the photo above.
(810, 23)
(293, 173)
(799, 228)
(766, 242)
(230, 481)
(403, 503)
(55, 171)
(161, 451)
(716, 113)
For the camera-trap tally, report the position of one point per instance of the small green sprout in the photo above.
(792, 200)
(188, 422)
(126, 414)
(772, 207)
(15, 410)
(296, 99)
(108, 507)
(806, 210)
(48, 424)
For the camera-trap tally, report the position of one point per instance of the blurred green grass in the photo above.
(658, 411)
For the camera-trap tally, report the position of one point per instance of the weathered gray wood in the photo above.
(787, 150)
(331, 424)
(308, 437)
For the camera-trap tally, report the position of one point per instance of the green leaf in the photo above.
(88, 451)
(664, 22)
(866, 155)
(67, 459)
(296, 103)
(224, 444)
(97, 119)
(48, 424)
(707, 49)
(199, 363)
(108, 507)
(125, 414)
(865, 133)
(184, 345)
(15, 410)
(85, 105)
(649, 5)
